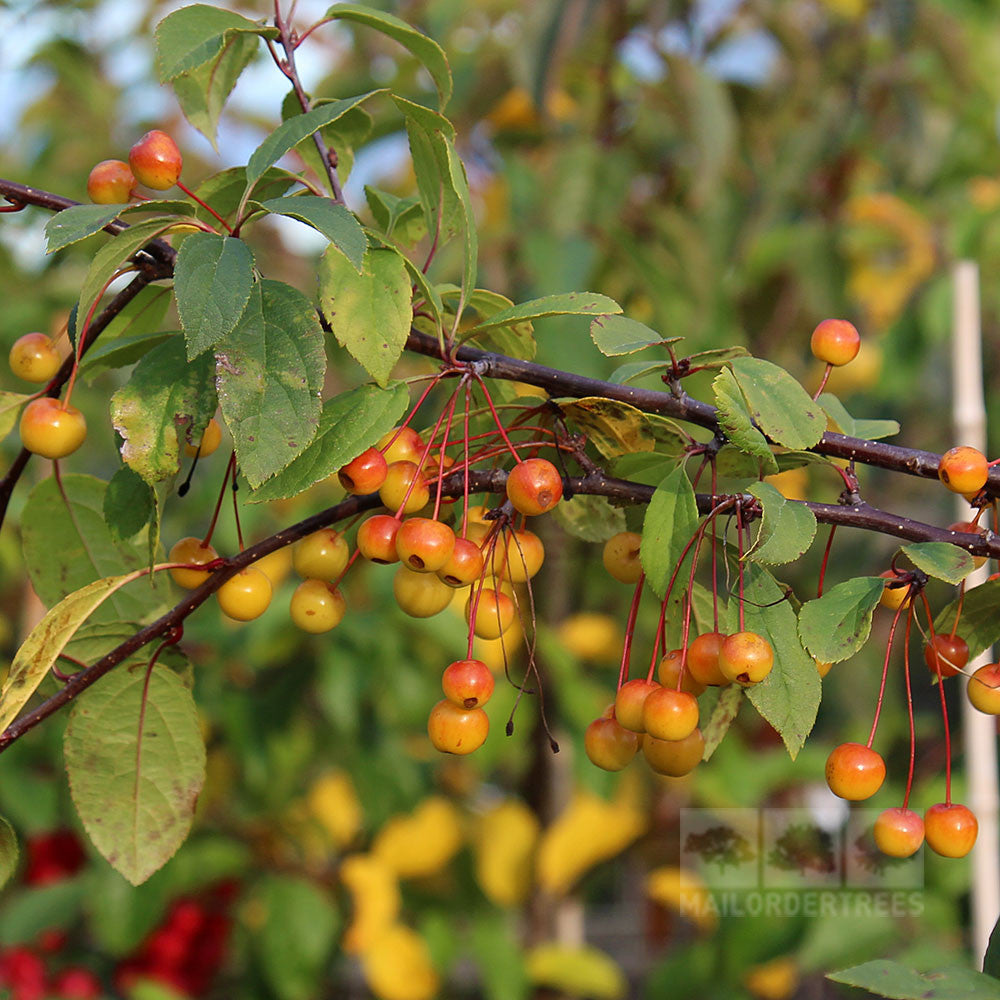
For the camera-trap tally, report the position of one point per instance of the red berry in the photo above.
(836, 342)
(110, 183)
(854, 771)
(899, 832)
(467, 683)
(51, 428)
(745, 658)
(703, 659)
(608, 745)
(950, 829)
(946, 653)
(77, 984)
(365, 474)
(963, 470)
(971, 528)
(630, 702)
(377, 539)
(424, 545)
(457, 730)
(674, 759)
(669, 714)
(53, 857)
(984, 689)
(464, 565)
(156, 161)
(534, 486)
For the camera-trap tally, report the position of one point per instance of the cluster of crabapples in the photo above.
(54, 428)
(855, 771)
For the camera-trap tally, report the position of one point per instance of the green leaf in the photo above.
(670, 523)
(648, 468)
(269, 373)
(120, 353)
(224, 191)
(334, 221)
(290, 133)
(591, 518)
(350, 423)
(634, 370)
(213, 278)
(735, 421)
(166, 394)
(190, 37)
(26, 914)
(890, 979)
(979, 625)
(613, 428)
(941, 560)
(616, 335)
(9, 852)
(787, 527)
(136, 763)
(779, 406)
(836, 625)
(128, 504)
(425, 49)
(369, 313)
(870, 430)
(143, 315)
(77, 223)
(67, 545)
(569, 304)
(715, 358)
(203, 92)
(516, 340)
(48, 639)
(392, 213)
(668, 437)
(788, 698)
(297, 935)
(10, 408)
(724, 713)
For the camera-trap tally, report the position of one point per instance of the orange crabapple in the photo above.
(211, 438)
(34, 358)
(534, 486)
(467, 683)
(898, 832)
(971, 528)
(669, 714)
(457, 730)
(950, 829)
(246, 595)
(51, 428)
(156, 161)
(317, 606)
(854, 771)
(518, 556)
(949, 653)
(835, 341)
(321, 555)
(963, 469)
(894, 597)
(609, 745)
(621, 556)
(745, 657)
(464, 565)
(365, 474)
(424, 545)
(674, 758)
(407, 446)
(376, 539)
(420, 595)
(110, 182)
(669, 670)
(194, 551)
(703, 659)
(495, 613)
(393, 491)
(983, 689)
(630, 702)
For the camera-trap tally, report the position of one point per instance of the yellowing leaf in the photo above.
(683, 891)
(578, 971)
(421, 843)
(398, 966)
(334, 803)
(589, 831)
(375, 899)
(505, 841)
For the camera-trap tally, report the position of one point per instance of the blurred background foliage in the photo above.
(731, 172)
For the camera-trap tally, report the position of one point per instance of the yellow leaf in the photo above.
(579, 971)
(588, 832)
(334, 803)
(375, 898)
(398, 966)
(774, 980)
(793, 484)
(684, 892)
(421, 843)
(592, 637)
(506, 838)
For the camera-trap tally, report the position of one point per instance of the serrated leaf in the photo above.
(144, 314)
(670, 523)
(787, 527)
(735, 421)
(646, 467)
(269, 373)
(870, 430)
(121, 353)
(591, 518)
(613, 428)
(188, 38)
(10, 408)
(836, 625)
(334, 221)
(135, 775)
(979, 625)
(77, 223)
(616, 335)
(516, 340)
(779, 406)
(165, 394)
(67, 545)
(128, 504)
(290, 133)
(788, 698)
(668, 437)
(890, 979)
(723, 715)
(569, 304)
(49, 638)
(369, 313)
(391, 211)
(9, 852)
(213, 278)
(715, 358)
(941, 560)
(425, 49)
(203, 92)
(224, 191)
(350, 423)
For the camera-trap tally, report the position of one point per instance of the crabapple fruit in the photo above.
(51, 428)
(34, 358)
(534, 486)
(457, 730)
(365, 474)
(246, 595)
(111, 182)
(317, 606)
(898, 832)
(609, 745)
(156, 161)
(950, 829)
(621, 556)
(745, 657)
(674, 758)
(835, 341)
(322, 555)
(963, 469)
(854, 771)
(194, 551)
(467, 683)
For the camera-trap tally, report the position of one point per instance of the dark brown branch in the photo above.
(494, 481)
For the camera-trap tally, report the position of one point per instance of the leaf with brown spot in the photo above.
(614, 428)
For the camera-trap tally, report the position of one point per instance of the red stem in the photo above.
(885, 673)
(909, 706)
(230, 468)
(208, 208)
(630, 630)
